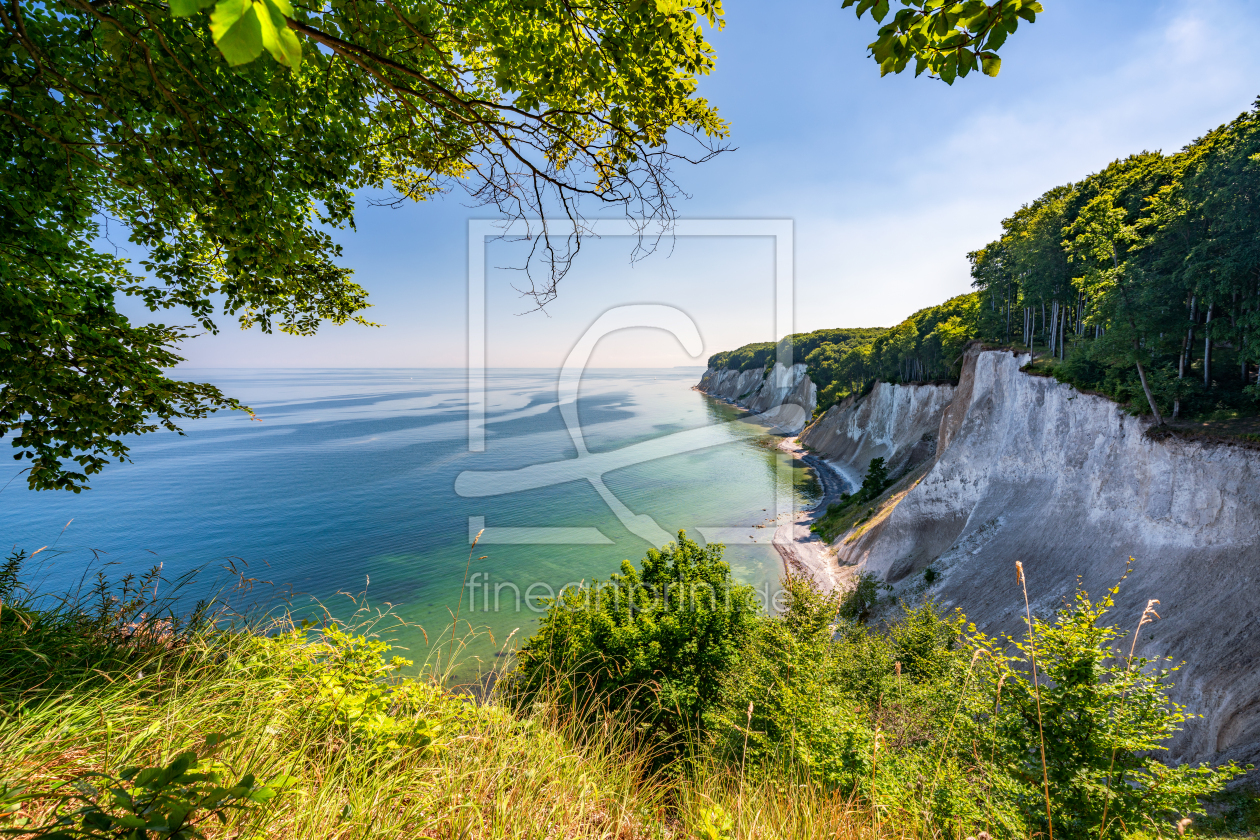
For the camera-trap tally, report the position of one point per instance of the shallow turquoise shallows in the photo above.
(348, 485)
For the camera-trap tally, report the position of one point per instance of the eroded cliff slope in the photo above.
(898, 423)
(783, 397)
(1030, 469)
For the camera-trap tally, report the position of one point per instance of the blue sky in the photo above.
(889, 182)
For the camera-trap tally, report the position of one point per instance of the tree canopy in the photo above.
(924, 347)
(229, 177)
(1141, 280)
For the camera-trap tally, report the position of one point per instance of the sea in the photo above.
(358, 493)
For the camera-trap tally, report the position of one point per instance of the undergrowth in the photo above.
(119, 720)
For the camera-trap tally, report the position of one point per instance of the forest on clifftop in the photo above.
(1140, 282)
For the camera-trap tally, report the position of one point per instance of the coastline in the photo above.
(803, 551)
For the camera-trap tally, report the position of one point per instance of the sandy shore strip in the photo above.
(803, 551)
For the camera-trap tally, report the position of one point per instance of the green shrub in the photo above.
(1105, 718)
(858, 603)
(931, 718)
(656, 640)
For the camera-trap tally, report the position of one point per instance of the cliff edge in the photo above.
(783, 397)
(1030, 469)
(1008, 466)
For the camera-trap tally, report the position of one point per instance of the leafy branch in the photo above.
(948, 40)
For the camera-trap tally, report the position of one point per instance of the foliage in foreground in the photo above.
(657, 639)
(928, 720)
(817, 727)
(311, 731)
(930, 717)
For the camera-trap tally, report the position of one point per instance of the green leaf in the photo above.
(881, 11)
(990, 63)
(147, 776)
(186, 8)
(178, 813)
(966, 63)
(277, 38)
(997, 37)
(283, 782)
(237, 31)
(216, 738)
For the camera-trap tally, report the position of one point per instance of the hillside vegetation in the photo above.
(659, 704)
(1140, 282)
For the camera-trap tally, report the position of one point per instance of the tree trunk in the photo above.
(1054, 327)
(1194, 319)
(1062, 334)
(1207, 347)
(1146, 389)
(1008, 311)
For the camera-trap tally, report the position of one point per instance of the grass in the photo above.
(348, 747)
(854, 518)
(322, 735)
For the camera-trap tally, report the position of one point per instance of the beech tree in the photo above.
(227, 140)
(227, 170)
(1100, 238)
(947, 40)
(1154, 280)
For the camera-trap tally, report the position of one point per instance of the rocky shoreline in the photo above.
(803, 551)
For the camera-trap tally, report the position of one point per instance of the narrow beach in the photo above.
(803, 551)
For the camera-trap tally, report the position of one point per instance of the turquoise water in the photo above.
(348, 485)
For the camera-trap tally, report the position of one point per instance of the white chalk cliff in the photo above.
(1016, 467)
(898, 423)
(782, 397)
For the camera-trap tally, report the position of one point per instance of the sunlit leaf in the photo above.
(237, 30)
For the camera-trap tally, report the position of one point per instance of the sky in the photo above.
(888, 183)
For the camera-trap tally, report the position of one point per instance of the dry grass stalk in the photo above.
(1041, 734)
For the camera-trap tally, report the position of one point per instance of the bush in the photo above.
(931, 718)
(1105, 717)
(656, 641)
(858, 603)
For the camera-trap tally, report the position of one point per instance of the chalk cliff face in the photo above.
(898, 423)
(782, 397)
(1023, 468)
(1030, 469)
